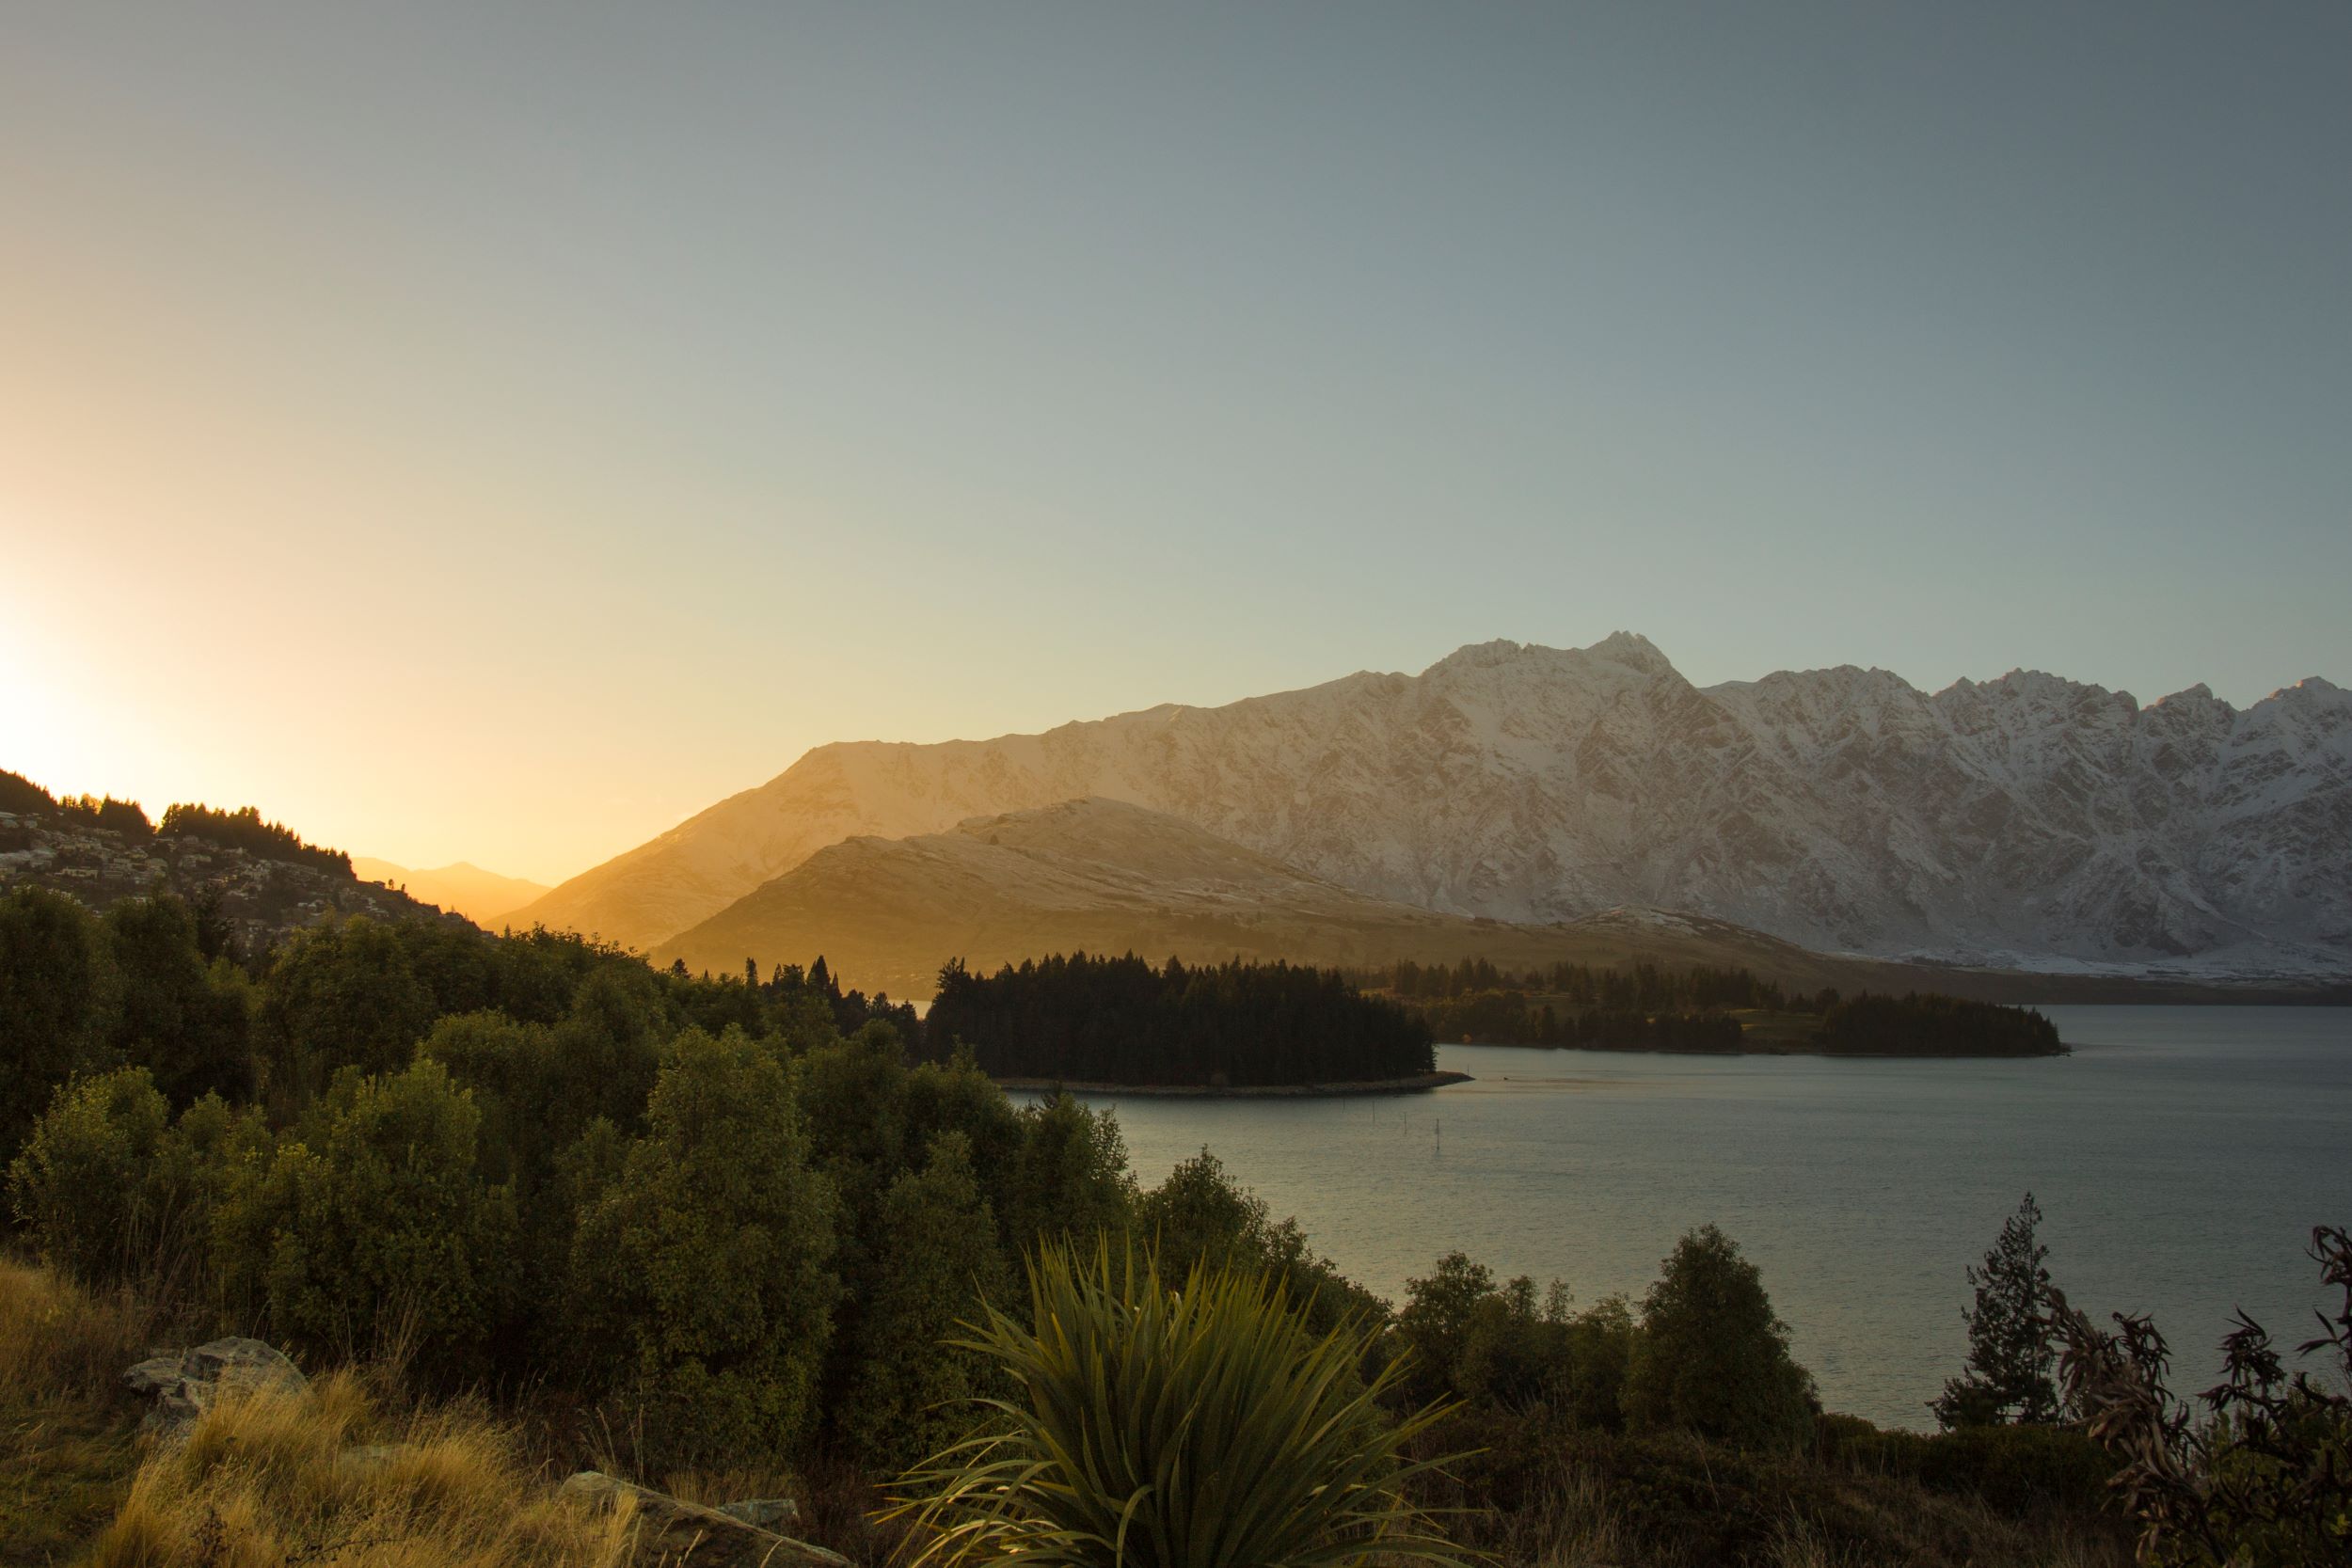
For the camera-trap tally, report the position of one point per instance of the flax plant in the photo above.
(1151, 1428)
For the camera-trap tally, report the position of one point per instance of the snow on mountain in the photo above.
(1841, 808)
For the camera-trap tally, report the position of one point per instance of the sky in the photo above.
(496, 433)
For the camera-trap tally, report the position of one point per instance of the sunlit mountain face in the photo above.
(2028, 821)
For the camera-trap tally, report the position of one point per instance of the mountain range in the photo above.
(1104, 876)
(2030, 820)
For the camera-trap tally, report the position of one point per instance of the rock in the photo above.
(672, 1530)
(764, 1513)
(185, 1385)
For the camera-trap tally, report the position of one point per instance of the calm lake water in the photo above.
(2181, 1156)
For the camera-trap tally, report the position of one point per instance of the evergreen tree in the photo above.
(2008, 1374)
(1713, 1357)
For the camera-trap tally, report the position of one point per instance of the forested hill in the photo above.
(256, 880)
(1081, 1020)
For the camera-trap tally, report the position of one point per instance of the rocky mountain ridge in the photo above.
(2028, 819)
(1106, 875)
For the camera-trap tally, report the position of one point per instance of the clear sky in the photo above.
(499, 430)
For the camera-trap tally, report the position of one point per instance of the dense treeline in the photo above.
(1645, 987)
(1649, 1009)
(1085, 1018)
(244, 829)
(1511, 1018)
(1932, 1025)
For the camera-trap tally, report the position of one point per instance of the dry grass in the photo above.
(67, 1429)
(275, 1480)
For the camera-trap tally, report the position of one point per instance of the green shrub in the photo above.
(1152, 1428)
(1711, 1357)
(907, 1379)
(700, 1274)
(374, 1223)
(342, 994)
(81, 1183)
(2013, 1468)
(56, 1002)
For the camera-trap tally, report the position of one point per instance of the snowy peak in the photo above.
(2028, 816)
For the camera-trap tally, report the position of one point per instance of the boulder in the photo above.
(672, 1531)
(764, 1513)
(186, 1383)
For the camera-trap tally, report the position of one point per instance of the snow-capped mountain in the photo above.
(2018, 820)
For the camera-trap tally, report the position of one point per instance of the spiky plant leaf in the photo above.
(1200, 1428)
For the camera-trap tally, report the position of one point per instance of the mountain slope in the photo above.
(481, 896)
(1103, 876)
(2016, 820)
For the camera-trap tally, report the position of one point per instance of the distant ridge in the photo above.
(2029, 821)
(481, 896)
(1106, 877)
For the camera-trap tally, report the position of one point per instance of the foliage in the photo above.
(1199, 1217)
(1069, 1178)
(56, 998)
(188, 1020)
(2011, 1353)
(909, 1379)
(342, 994)
(1152, 1428)
(1505, 1347)
(1712, 1358)
(701, 1273)
(1121, 1021)
(1931, 1025)
(244, 829)
(2267, 1478)
(2013, 1467)
(373, 1223)
(79, 1185)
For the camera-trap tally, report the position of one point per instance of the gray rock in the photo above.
(764, 1513)
(185, 1385)
(671, 1530)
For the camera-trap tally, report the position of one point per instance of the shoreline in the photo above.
(1418, 1083)
(2063, 1050)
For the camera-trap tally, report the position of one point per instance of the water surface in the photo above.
(2181, 1156)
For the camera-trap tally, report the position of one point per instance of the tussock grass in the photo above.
(67, 1429)
(277, 1480)
(57, 1339)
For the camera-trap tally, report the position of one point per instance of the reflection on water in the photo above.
(2181, 1156)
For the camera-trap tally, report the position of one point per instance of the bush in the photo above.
(909, 1382)
(374, 1225)
(700, 1275)
(56, 1002)
(1154, 1428)
(2014, 1468)
(342, 995)
(1712, 1358)
(81, 1183)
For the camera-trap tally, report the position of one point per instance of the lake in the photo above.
(2181, 1156)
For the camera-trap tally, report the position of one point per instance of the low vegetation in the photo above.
(523, 1204)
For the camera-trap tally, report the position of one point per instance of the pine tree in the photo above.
(2008, 1376)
